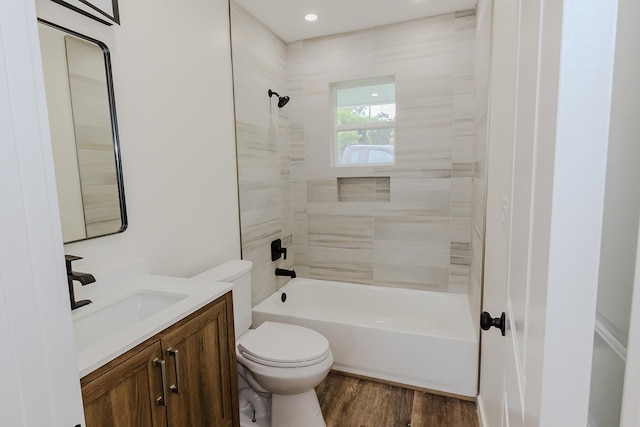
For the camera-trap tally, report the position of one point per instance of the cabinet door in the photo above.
(125, 396)
(199, 371)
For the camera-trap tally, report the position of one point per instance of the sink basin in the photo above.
(111, 319)
(131, 306)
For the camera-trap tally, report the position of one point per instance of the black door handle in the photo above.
(486, 322)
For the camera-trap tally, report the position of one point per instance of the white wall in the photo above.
(173, 88)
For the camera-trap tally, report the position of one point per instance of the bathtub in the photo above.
(416, 338)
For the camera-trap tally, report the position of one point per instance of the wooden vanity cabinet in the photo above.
(200, 382)
(125, 396)
(199, 357)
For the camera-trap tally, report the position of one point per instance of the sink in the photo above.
(131, 306)
(104, 322)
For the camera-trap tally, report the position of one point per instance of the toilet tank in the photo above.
(237, 272)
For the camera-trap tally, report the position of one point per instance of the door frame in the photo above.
(631, 393)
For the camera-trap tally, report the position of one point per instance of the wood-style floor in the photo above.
(354, 402)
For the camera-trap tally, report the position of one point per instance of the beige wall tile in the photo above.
(322, 191)
(345, 265)
(477, 204)
(260, 202)
(301, 260)
(461, 194)
(408, 252)
(351, 208)
(432, 232)
(298, 196)
(300, 230)
(460, 230)
(418, 197)
(432, 274)
(318, 165)
(426, 215)
(459, 277)
(422, 156)
(340, 231)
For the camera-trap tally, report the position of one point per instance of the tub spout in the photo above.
(282, 272)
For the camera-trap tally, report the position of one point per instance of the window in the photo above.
(364, 118)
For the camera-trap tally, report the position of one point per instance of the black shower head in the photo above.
(282, 100)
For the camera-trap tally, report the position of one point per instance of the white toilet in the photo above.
(279, 365)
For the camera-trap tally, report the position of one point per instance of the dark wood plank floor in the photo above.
(354, 402)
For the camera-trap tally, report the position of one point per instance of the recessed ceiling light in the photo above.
(311, 17)
(374, 94)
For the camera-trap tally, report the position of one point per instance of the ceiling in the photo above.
(286, 17)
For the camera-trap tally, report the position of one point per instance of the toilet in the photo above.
(279, 365)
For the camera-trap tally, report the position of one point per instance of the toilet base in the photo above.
(246, 420)
(296, 410)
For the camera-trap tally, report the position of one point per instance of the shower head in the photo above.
(282, 100)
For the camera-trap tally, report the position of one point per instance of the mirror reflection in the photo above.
(79, 89)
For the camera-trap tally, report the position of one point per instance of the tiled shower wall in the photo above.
(417, 234)
(259, 64)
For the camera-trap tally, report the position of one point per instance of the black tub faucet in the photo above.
(83, 278)
(283, 272)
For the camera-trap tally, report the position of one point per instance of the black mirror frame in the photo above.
(99, 12)
(114, 125)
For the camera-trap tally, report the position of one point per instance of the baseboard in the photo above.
(481, 417)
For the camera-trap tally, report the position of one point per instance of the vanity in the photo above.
(152, 350)
(158, 351)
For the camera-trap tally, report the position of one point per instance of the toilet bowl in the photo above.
(287, 361)
(279, 364)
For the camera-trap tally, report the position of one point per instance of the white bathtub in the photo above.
(418, 338)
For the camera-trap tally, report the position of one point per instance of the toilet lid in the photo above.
(284, 345)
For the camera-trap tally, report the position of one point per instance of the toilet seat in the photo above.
(283, 345)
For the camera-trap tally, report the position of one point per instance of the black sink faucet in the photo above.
(283, 272)
(83, 278)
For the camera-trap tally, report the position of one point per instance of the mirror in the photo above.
(84, 134)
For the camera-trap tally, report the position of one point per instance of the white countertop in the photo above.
(93, 321)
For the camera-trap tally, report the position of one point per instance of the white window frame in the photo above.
(333, 102)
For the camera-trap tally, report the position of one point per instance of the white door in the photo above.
(510, 199)
(520, 213)
(503, 18)
(40, 384)
(544, 220)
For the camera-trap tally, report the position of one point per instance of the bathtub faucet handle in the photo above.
(277, 250)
